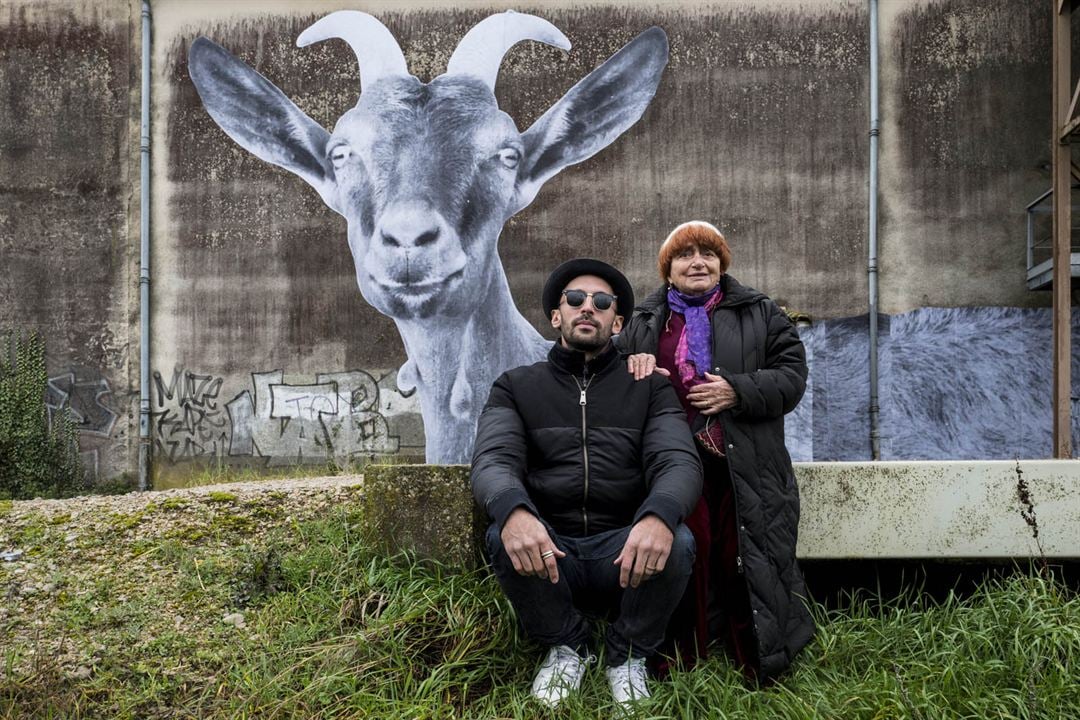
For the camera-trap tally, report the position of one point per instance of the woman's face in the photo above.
(695, 270)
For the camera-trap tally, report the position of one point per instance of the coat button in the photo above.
(730, 446)
(742, 528)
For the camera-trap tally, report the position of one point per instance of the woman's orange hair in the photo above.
(694, 233)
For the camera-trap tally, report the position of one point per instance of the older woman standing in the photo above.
(738, 366)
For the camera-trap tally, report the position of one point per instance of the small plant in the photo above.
(258, 576)
(37, 457)
(173, 503)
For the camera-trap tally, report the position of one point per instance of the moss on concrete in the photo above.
(220, 496)
(427, 510)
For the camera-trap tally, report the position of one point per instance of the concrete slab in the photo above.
(941, 509)
(427, 510)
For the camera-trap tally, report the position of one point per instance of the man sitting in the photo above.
(587, 475)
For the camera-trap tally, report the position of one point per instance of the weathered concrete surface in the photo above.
(956, 509)
(771, 100)
(69, 156)
(965, 146)
(424, 509)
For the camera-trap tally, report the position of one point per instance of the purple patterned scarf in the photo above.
(693, 354)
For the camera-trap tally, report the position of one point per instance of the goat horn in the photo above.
(376, 49)
(482, 49)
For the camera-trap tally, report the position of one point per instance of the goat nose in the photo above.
(410, 229)
(395, 239)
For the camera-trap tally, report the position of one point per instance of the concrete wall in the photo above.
(966, 116)
(263, 348)
(69, 208)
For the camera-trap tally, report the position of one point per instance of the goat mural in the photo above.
(426, 175)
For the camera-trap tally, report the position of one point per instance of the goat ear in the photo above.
(257, 115)
(593, 113)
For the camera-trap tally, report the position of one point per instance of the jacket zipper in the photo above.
(582, 387)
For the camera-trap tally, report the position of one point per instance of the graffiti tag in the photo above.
(335, 417)
(84, 398)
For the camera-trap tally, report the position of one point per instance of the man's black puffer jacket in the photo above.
(585, 468)
(757, 350)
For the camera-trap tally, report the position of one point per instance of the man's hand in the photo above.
(529, 546)
(645, 552)
(642, 365)
(712, 397)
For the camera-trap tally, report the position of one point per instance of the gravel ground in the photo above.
(62, 561)
(133, 501)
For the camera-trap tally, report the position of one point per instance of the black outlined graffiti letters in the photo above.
(85, 394)
(336, 416)
(187, 419)
(426, 175)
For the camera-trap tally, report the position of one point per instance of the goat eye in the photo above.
(340, 155)
(509, 157)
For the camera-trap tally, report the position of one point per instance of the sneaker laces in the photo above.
(560, 674)
(629, 681)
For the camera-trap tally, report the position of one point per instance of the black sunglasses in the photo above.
(600, 300)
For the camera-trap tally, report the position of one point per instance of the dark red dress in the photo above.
(716, 606)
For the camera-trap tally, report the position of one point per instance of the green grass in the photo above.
(332, 631)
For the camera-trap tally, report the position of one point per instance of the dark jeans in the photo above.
(588, 587)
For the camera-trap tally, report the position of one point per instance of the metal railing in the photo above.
(1040, 238)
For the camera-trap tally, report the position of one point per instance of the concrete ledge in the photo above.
(427, 510)
(885, 510)
(940, 509)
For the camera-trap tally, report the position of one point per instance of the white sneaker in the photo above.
(559, 675)
(627, 681)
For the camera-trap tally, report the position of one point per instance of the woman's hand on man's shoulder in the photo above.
(642, 365)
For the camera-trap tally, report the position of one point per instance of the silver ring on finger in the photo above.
(546, 555)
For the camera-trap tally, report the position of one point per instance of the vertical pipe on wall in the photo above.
(144, 261)
(1062, 273)
(872, 268)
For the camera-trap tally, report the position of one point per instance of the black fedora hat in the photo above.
(560, 276)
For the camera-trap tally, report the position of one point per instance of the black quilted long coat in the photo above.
(757, 350)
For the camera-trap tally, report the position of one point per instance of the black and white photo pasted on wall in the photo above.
(426, 175)
(429, 176)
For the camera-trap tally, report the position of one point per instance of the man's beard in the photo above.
(588, 343)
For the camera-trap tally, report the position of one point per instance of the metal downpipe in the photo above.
(872, 264)
(144, 263)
